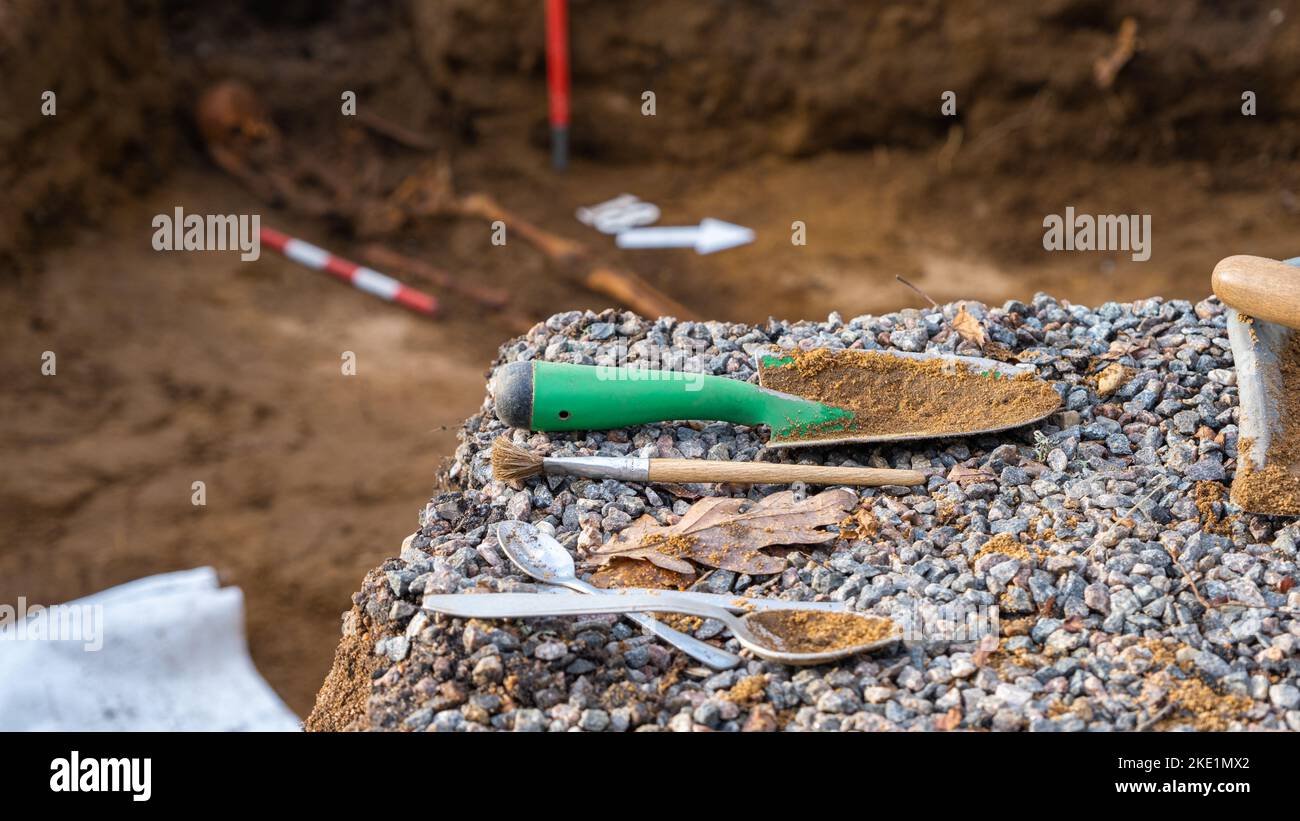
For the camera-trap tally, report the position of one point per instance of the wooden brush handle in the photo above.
(1262, 288)
(771, 473)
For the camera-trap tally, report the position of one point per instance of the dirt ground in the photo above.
(183, 367)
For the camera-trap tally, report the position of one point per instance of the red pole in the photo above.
(557, 78)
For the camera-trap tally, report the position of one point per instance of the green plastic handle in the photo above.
(586, 397)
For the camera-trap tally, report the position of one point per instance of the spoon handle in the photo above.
(701, 651)
(529, 605)
(734, 603)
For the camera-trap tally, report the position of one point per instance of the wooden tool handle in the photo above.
(634, 292)
(770, 473)
(1258, 287)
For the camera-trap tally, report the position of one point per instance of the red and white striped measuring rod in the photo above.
(360, 277)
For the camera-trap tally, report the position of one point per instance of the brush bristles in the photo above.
(511, 463)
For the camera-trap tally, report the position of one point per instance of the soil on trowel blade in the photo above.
(1276, 488)
(895, 396)
(802, 631)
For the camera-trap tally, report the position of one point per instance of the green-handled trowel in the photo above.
(552, 396)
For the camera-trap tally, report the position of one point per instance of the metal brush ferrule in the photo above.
(623, 468)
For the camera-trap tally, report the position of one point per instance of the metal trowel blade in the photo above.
(1257, 348)
(990, 367)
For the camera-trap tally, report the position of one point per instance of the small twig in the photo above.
(1190, 581)
(397, 132)
(1153, 720)
(385, 257)
(701, 578)
(1164, 482)
(578, 260)
(1022, 119)
(949, 151)
(923, 294)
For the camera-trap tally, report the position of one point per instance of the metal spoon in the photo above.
(551, 563)
(542, 557)
(751, 635)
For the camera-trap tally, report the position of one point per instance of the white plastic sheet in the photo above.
(173, 657)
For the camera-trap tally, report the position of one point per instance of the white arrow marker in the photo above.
(709, 236)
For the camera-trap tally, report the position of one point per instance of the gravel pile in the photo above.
(1129, 593)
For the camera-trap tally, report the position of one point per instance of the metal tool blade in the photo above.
(1256, 349)
(980, 364)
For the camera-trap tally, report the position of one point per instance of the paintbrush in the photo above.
(511, 462)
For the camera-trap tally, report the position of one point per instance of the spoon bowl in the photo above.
(756, 633)
(536, 554)
(546, 560)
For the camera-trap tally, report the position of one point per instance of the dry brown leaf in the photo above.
(635, 573)
(987, 646)
(950, 720)
(642, 540)
(861, 524)
(965, 474)
(1136, 348)
(970, 328)
(1109, 380)
(728, 533)
(680, 491)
